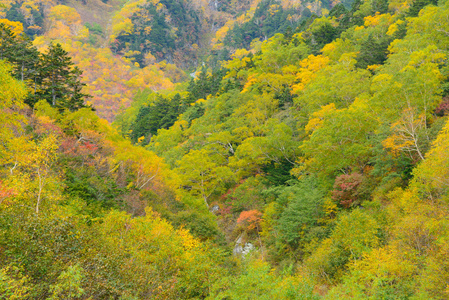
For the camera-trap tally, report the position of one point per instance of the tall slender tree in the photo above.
(60, 83)
(55, 68)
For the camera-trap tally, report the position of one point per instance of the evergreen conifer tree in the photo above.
(60, 83)
(7, 42)
(24, 58)
(19, 51)
(77, 97)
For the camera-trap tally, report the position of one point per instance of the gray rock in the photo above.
(241, 249)
(214, 208)
(238, 248)
(247, 249)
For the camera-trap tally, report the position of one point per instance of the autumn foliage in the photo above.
(347, 189)
(283, 150)
(250, 219)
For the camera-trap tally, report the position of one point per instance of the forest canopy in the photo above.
(284, 150)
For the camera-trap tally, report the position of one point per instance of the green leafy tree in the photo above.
(203, 176)
(68, 284)
(257, 281)
(339, 83)
(303, 211)
(340, 140)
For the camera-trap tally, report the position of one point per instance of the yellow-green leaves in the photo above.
(202, 175)
(432, 175)
(153, 258)
(340, 139)
(12, 93)
(13, 284)
(338, 83)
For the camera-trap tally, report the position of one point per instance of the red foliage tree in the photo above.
(443, 108)
(347, 189)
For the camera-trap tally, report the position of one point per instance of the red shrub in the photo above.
(346, 189)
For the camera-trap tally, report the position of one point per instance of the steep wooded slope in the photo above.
(313, 136)
(324, 150)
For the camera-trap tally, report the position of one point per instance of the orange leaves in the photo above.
(46, 125)
(251, 80)
(65, 22)
(79, 148)
(5, 192)
(250, 219)
(113, 81)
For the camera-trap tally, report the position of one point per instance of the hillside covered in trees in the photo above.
(304, 158)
